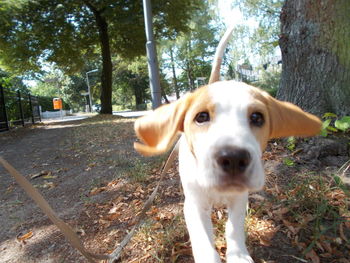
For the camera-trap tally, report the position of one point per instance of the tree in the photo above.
(263, 38)
(12, 82)
(130, 83)
(70, 32)
(167, 61)
(192, 51)
(314, 41)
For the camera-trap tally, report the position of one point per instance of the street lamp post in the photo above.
(88, 84)
(152, 56)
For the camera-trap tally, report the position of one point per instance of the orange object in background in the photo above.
(57, 104)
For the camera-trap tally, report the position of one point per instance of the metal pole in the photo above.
(152, 56)
(2, 96)
(88, 84)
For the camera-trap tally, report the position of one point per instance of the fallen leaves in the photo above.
(312, 256)
(262, 231)
(312, 212)
(180, 249)
(42, 173)
(47, 175)
(45, 185)
(283, 209)
(23, 237)
(97, 190)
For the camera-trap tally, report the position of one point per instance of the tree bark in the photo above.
(107, 67)
(165, 97)
(189, 69)
(314, 40)
(139, 100)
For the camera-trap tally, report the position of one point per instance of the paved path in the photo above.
(130, 114)
(67, 118)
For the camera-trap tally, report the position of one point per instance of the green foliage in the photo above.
(12, 82)
(342, 124)
(130, 85)
(67, 32)
(269, 81)
(55, 84)
(193, 50)
(70, 33)
(288, 162)
(264, 38)
(46, 103)
(291, 143)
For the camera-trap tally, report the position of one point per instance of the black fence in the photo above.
(17, 108)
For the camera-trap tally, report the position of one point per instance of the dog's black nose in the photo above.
(233, 161)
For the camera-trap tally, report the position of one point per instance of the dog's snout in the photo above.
(233, 161)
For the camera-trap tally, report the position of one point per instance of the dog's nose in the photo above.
(233, 161)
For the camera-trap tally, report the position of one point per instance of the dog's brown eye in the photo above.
(202, 117)
(257, 119)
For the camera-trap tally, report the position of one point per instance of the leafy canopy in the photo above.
(65, 31)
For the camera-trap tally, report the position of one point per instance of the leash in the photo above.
(67, 231)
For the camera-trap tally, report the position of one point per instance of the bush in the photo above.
(269, 81)
(47, 104)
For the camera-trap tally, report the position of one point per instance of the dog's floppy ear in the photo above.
(159, 129)
(287, 119)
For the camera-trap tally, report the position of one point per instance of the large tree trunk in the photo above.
(107, 68)
(315, 45)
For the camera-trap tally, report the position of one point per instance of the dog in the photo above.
(224, 127)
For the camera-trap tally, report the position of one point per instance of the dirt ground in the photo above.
(92, 177)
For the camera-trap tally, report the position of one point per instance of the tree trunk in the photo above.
(176, 87)
(139, 92)
(189, 67)
(140, 105)
(314, 41)
(164, 96)
(107, 68)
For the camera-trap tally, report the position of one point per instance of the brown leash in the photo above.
(67, 231)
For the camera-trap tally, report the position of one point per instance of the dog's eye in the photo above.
(257, 119)
(202, 117)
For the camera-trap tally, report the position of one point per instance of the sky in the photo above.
(233, 16)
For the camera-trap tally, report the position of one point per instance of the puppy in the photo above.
(224, 127)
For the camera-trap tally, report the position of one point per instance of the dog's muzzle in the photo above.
(232, 162)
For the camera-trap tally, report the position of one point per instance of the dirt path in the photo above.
(74, 157)
(92, 177)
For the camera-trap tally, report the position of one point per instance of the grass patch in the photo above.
(139, 170)
(163, 238)
(314, 213)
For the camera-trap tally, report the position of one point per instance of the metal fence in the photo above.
(17, 108)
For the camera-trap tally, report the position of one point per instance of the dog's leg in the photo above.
(236, 249)
(198, 219)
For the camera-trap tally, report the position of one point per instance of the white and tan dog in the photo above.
(225, 127)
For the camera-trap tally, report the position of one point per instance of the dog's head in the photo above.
(227, 126)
